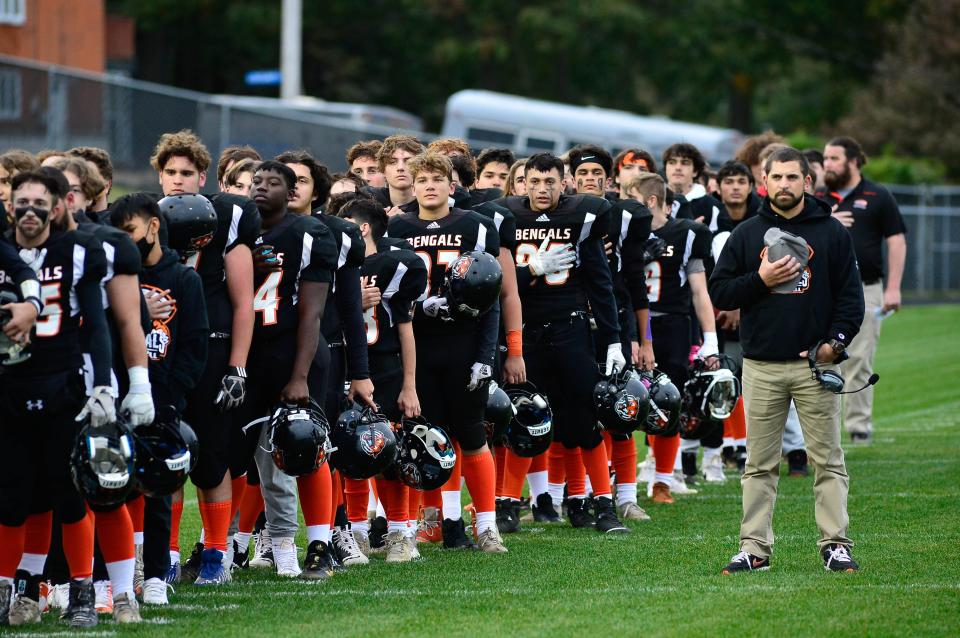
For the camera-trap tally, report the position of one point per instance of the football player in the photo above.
(683, 164)
(674, 279)
(392, 159)
(297, 256)
(493, 168)
(454, 358)
(560, 265)
(362, 162)
(99, 162)
(229, 158)
(43, 397)
(225, 266)
(399, 276)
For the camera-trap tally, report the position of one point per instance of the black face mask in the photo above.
(145, 247)
(42, 213)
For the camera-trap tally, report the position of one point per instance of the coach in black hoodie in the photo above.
(786, 308)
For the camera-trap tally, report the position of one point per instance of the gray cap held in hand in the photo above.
(779, 244)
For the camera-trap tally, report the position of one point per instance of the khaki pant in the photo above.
(768, 388)
(858, 408)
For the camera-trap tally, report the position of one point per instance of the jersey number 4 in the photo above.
(267, 298)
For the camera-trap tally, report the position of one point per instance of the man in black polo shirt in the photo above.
(870, 213)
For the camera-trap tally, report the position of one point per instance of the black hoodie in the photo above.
(177, 345)
(828, 301)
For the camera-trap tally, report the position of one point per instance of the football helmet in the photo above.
(191, 222)
(102, 464)
(664, 415)
(530, 431)
(621, 402)
(497, 415)
(11, 352)
(426, 457)
(472, 284)
(299, 438)
(167, 451)
(709, 396)
(364, 441)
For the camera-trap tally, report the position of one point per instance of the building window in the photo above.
(13, 12)
(10, 94)
(488, 136)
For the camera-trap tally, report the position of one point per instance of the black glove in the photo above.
(653, 249)
(233, 389)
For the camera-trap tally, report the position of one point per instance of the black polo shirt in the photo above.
(876, 216)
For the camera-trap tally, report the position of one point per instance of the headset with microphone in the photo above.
(830, 379)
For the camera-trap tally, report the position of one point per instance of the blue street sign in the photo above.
(268, 77)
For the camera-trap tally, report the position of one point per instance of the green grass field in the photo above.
(663, 579)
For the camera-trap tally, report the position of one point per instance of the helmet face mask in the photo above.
(709, 396)
(530, 431)
(426, 455)
(167, 451)
(665, 403)
(102, 465)
(621, 402)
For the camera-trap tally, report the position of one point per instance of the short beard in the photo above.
(785, 207)
(837, 180)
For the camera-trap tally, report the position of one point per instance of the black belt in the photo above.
(871, 281)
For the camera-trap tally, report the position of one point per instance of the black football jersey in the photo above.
(393, 243)
(350, 251)
(576, 220)
(628, 232)
(667, 287)
(122, 255)
(66, 260)
(307, 251)
(502, 219)
(439, 243)
(401, 277)
(238, 223)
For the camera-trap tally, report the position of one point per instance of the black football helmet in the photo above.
(299, 438)
(426, 457)
(664, 415)
(709, 396)
(621, 402)
(191, 222)
(11, 352)
(364, 441)
(167, 451)
(102, 464)
(497, 415)
(472, 284)
(530, 431)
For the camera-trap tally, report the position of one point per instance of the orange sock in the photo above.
(394, 496)
(728, 426)
(608, 443)
(78, 546)
(115, 532)
(665, 450)
(11, 549)
(595, 462)
(135, 508)
(414, 502)
(176, 513)
(336, 493)
(237, 488)
(575, 472)
(538, 463)
(316, 496)
(453, 483)
(357, 493)
(433, 498)
(38, 532)
(625, 460)
(737, 421)
(250, 508)
(515, 474)
(556, 463)
(216, 523)
(500, 457)
(481, 478)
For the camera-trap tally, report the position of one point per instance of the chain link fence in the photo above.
(44, 106)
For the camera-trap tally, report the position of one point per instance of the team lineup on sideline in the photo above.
(582, 340)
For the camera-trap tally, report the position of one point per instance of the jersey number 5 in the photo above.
(267, 298)
(48, 325)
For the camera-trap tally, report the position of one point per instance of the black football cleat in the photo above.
(317, 564)
(455, 535)
(607, 521)
(191, 568)
(543, 510)
(578, 511)
(81, 609)
(378, 531)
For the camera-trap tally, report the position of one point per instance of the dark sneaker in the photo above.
(334, 559)
(861, 438)
(836, 558)
(525, 503)
(741, 455)
(378, 531)
(543, 510)
(81, 608)
(455, 535)
(26, 608)
(688, 460)
(744, 562)
(578, 511)
(241, 560)
(797, 460)
(191, 568)
(607, 521)
(317, 565)
(729, 455)
(508, 516)
(212, 571)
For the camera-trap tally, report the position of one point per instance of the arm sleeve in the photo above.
(322, 257)
(848, 307)
(732, 286)
(15, 268)
(488, 331)
(192, 339)
(595, 271)
(412, 285)
(349, 306)
(247, 229)
(891, 221)
(90, 301)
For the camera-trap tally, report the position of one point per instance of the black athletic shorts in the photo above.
(386, 373)
(211, 425)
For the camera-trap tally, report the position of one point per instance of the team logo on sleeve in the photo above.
(159, 338)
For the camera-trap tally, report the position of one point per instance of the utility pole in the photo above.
(291, 38)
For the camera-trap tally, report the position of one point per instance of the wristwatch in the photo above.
(838, 347)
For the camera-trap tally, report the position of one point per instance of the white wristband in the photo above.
(710, 340)
(139, 379)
